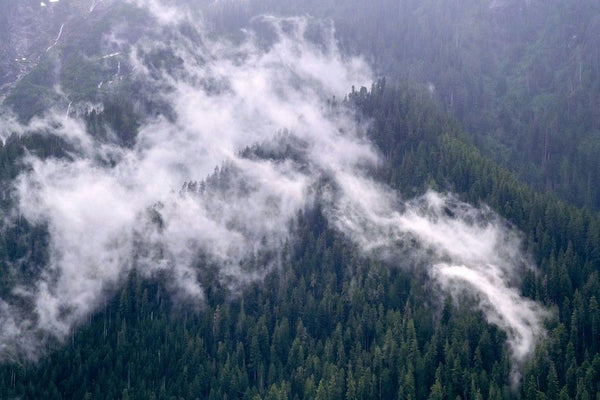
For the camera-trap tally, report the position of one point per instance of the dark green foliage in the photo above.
(523, 79)
(331, 324)
(328, 325)
(562, 238)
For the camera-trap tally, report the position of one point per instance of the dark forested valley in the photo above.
(244, 210)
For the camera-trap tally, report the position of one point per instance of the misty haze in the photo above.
(275, 199)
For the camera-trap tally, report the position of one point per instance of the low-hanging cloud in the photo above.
(187, 189)
(468, 251)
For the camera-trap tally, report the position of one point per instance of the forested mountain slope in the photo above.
(188, 212)
(521, 76)
(332, 324)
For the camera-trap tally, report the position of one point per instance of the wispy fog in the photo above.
(187, 190)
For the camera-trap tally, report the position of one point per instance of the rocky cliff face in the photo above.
(24, 28)
(27, 29)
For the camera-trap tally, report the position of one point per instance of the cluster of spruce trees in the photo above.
(330, 323)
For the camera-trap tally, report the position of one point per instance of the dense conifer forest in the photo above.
(332, 324)
(511, 124)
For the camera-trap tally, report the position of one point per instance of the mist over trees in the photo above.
(218, 163)
(332, 324)
(523, 77)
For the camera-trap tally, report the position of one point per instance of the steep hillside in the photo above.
(331, 324)
(195, 210)
(521, 76)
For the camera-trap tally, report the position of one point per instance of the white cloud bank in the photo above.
(110, 209)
